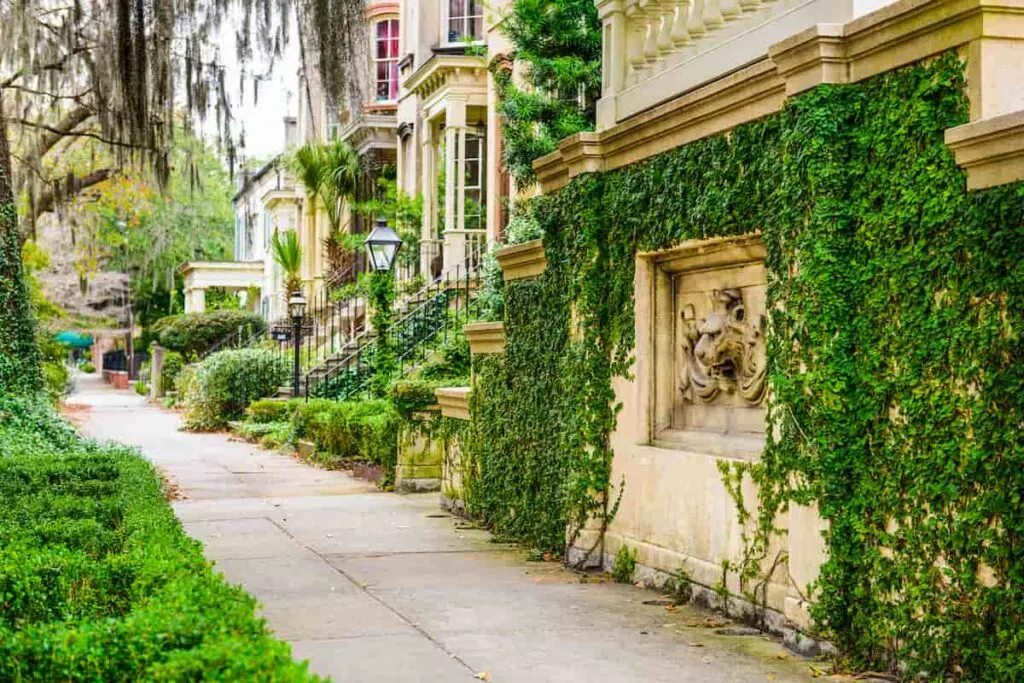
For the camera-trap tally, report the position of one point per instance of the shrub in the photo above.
(271, 410)
(220, 387)
(364, 431)
(268, 434)
(99, 581)
(55, 379)
(87, 368)
(411, 396)
(174, 363)
(141, 388)
(625, 565)
(193, 334)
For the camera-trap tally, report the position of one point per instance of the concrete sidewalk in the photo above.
(372, 586)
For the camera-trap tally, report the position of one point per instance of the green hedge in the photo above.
(896, 304)
(365, 431)
(220, 387)
(98, 580)
(271, 410)
(174, 363)
(193, 334)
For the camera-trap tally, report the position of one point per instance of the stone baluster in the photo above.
(751, 5)
(638, 34)
(680, 35)
(695, 26)
(666, 45)
(652, 19)
(713, 18)
(730, 9)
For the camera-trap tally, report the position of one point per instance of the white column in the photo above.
(195, 300)
(454, 190)
(460, 180)
(614, 60)
(428, 188)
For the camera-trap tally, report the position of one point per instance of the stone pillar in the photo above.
(156, 365)
(455, 182)
(195, 300)
(428, 186)
(613, 60)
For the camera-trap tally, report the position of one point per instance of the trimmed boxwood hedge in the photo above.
(194, 334)
(97, 579)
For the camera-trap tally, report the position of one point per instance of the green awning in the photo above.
(75, 340)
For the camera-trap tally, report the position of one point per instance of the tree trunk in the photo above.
(19, 353)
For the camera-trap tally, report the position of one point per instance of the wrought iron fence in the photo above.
(425, 320)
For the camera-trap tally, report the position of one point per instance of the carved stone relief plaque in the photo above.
(708, 337)
(723, 352)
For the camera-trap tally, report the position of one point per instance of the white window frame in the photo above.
(446, 15)
(480, 137)
(392, 60)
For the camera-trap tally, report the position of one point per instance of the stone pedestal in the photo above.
(419, 457)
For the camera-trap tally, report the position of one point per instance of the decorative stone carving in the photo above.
(701, 331)
(723, 352)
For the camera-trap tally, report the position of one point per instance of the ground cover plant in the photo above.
(98, 581)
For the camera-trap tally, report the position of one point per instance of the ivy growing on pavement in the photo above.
(896, 304)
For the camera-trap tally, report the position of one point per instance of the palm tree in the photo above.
(288, 255)
(331, 174)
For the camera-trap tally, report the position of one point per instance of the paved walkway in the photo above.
(373, 586)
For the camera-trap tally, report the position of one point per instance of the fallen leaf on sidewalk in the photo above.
(483, 676)
(781, 655)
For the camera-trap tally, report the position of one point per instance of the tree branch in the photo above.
(78, 133)
(65, 126)
(55, 65)
(69, 188)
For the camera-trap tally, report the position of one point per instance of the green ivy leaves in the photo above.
(896, 299)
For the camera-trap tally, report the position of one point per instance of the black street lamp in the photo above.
(297, 310)
(382, 245)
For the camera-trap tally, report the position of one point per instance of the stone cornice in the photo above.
(522, 261)
(905, 32)
(485, 338)
(990, 150)
(440, 69)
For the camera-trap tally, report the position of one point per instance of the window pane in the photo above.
(383, 80)
(382, 29)
(476, 28)
(393, 84)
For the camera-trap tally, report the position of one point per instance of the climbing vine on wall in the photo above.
(896, 306)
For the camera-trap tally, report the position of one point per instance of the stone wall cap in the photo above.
(454, 401)
(522, 261)
(485, 338)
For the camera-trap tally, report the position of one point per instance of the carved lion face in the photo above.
(720, 345)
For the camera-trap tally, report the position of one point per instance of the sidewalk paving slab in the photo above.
(373, 586)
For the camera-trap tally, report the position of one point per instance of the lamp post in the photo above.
(382, 245)
(297, 310)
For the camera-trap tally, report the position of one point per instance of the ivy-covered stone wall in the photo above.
(895, 362)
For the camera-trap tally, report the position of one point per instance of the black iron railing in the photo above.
(425, 320)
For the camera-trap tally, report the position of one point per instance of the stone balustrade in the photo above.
(654, 50)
